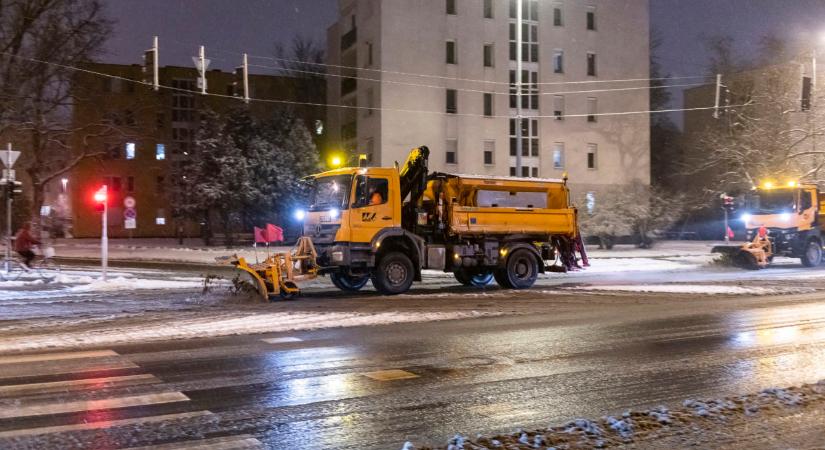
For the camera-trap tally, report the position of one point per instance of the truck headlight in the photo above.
(338, 256)
(300, 214)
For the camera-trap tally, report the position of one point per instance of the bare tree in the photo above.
(40, 42)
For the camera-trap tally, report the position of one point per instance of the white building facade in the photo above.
(442, 73)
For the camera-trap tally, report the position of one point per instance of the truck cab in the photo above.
(791, 215)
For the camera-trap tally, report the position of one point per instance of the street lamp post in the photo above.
(102, 196)
(519, 39)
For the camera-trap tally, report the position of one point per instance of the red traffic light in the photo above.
(100, 197)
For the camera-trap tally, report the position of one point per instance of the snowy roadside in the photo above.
(223, 324)
(774, 416)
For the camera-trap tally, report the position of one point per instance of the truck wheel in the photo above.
(348, 283)
(477, 279)
(394, 274)
(812, 256)
(520, 272)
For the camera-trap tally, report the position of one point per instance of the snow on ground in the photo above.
(655, 428)
(708, 289)
(223, 325)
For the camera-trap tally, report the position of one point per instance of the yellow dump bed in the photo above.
(489, 205)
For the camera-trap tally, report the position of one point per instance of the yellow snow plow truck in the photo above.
(783, 220)
(387, 224)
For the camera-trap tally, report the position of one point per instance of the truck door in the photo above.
(373, 207)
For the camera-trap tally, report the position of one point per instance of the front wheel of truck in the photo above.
(348, 283)
(812, 256)
(393, 274)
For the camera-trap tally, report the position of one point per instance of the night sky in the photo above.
(227, 27)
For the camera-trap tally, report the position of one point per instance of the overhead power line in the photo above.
(355, 107)
(422, 75)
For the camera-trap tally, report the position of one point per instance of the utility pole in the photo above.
(102, 198)
(155, 58)
(718, 95)
(202, 67)
(519, 64)
(245, 79)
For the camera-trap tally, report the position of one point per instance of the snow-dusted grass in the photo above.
(224, 325)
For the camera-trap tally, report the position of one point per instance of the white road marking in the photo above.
(55, 356)
(282, 340)
(91, 405)
(49, 368)
(390, 375)
(101, 425)
(241, 442)
(35, 388)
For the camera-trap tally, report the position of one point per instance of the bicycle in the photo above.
(43, 266)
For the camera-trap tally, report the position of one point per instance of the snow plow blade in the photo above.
(743, 256)
(727, 249)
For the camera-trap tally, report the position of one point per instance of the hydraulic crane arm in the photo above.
(413, 174)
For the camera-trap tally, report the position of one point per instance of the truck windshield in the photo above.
(773, 202)
(330, 192)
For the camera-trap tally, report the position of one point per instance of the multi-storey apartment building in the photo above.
(145, 133)
(443, 73)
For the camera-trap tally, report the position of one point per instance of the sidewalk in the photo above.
(193, 250)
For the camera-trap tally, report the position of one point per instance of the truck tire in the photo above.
(393, 274)
(473, 278)
(348, 283)
(520, 271)
(812, 255)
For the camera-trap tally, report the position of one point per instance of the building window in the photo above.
(529, 42)
(160, 121)
(558, 61)
(452, 101)
(590, 202)
(370, 102)
(489, 153)
(488, 55)
(160, 217)
(451, 156)
(369, 54)
(160, 152)
(130, 150)
(591, 19)
(451, 53)
(529, 137)
(529, 90)
(592, 161)
(512, 171)
(558, 155)
(592, 109)
(319, 127)
(116, 184)
(557, 17)
(558, 107)
(488, 9)
(130, 184)
(488, 105)
(591, 64)
(160, 184)
(529, 11)
(370, 149)
(534, 172)
(451, 7)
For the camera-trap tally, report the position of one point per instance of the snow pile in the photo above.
(641, 427)
(707, 289)
(228, 324)
(130, 284)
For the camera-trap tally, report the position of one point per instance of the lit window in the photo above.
(130, 150)
(160, 152)
(319, 127)
(558, 155)
(160, 218)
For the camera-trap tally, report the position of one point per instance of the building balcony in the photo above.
(348, 86)
(348, 39)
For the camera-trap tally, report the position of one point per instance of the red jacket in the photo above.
(24, 241)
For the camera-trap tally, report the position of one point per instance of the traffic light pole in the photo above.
(9, 188)
(104, 235)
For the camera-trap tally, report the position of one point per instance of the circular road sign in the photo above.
(129, 202)
(129, 213)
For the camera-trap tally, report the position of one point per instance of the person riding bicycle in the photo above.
(23, 243)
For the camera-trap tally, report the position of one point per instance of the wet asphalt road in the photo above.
(377, 387)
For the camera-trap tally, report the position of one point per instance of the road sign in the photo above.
(129, 202)
(130, 224)
(197, 62)
(8, 158)
(129, 213)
